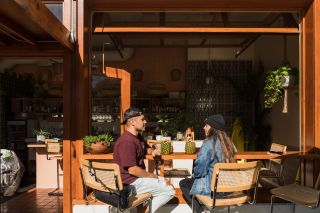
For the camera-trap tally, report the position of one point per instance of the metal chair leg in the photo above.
(293, 207)
(150, 205)
(228, 209)
(271, 204)
(192, 200)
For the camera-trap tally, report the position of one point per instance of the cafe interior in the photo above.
(175, 72)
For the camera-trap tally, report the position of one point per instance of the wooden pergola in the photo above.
(31, 21)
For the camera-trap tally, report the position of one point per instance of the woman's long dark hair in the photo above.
(227, 146)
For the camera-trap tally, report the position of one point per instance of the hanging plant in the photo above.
(274, 85)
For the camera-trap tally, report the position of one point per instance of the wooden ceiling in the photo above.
(30, 23)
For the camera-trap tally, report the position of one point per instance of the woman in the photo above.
(217, 147)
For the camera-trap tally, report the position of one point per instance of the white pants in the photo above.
(161, 192)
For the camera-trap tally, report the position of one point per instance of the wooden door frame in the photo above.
(309, 99)
(125, 85)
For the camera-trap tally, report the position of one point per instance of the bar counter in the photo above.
(46, 170)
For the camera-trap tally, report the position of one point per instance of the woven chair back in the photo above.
(279, 148)
(233, 177)
(108, 173)
(53, 149)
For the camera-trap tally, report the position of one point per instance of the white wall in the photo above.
(270, 50)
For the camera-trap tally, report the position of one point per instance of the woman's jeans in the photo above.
(185, 186)
(161, 192)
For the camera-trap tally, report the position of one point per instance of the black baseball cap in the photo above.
(131, 113)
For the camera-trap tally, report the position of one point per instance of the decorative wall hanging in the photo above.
(175, 74)
(137, 74)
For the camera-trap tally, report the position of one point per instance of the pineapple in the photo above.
(190, 147)
(166, 147)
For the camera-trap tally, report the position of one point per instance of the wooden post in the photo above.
(125, 78)
(77, 90)
(67, 130)
(317, 72)
(310, 106)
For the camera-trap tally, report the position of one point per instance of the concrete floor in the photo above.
(183, 208)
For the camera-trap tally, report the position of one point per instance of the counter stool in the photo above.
(54, 152)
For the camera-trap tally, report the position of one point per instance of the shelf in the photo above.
(98, 122)
(105, 113)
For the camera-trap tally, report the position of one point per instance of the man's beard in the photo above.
(141, 130)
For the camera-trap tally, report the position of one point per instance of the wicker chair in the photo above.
(109, 174)
(235, 180)
(298, 194)
(54, 152)
(272, 176)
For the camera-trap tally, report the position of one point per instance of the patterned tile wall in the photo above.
(214, 88)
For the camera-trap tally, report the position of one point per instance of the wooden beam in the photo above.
(42, 16)
(116, 44)
(245, 41)
(196, 30)
(69, 117)
(317, 74)
(27, 50)
(79, 82)
(144, 36)
(308, 81)
(125, 78)
(246, 45)
(271, 18)
(14, 31)
(182, 24)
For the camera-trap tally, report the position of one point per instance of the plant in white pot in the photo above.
(41, 135)
(100, 144)
(276, 83)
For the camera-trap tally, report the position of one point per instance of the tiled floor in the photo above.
(33, 201)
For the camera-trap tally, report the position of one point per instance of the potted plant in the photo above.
(99, 144)
(41, 135)
(276, 80)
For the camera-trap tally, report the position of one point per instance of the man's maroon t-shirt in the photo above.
(129, 151)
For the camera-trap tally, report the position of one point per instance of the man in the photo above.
(129, 153)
